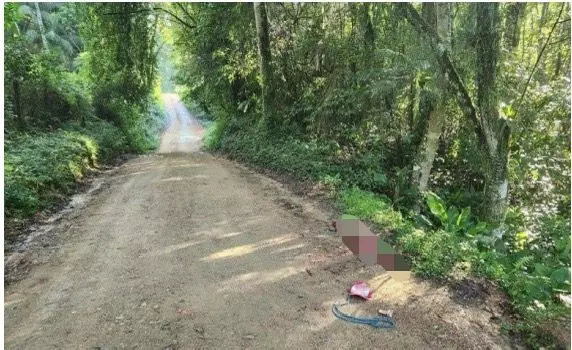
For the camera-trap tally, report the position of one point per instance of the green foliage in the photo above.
(42, 168)
(213, 135)
(455, 221)
(363, 204)
(376, 209)
(530, 277)
(89, 65)
(141, 126)
(303, 160)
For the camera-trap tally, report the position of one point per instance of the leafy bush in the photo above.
(43, 167)
(531, 274)
(301, 159)
(109, 139)
(140, 124)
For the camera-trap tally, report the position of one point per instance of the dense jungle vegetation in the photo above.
(444, 125)
(81, 87)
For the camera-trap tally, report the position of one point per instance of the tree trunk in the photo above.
(563, 35)
(353, 59)
(515, 14)
(41, 27)
(438, 16)
(413, 108)
(492, 131)
(264, 56)
(368, 34)
(543, 16)
(494, 127)
(17, 103)
(320, 47)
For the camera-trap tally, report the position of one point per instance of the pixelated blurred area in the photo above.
(367, 246)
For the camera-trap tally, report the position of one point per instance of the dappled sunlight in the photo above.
(173, 248)
(249, 248)
(176, 178)
(287, 249)
(222, 222)
(280, 274)
(253, 220)
(317, 320)
(12, 302)
(174, 166)
(231, 252)
(231, 234)
(188, 165)
(238, 284)
(397, 289)
(179, 178)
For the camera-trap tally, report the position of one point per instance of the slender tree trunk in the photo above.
(543, 16)
(368, 34)
(495, 128)
(353, 59)
(413, 108)
(41, 27)
(17, 103)
(264, 56)
(320, 46)
(438, 16)
(515, 13)
(562, 36)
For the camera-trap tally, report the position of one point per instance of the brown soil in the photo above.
(182, 250)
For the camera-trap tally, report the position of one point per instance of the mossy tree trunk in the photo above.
(264, 57)
(494, 127)
(492, 131)
(438, 16)
(41, 27)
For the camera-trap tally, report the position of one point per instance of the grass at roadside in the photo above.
(440, 240)
(43, 168)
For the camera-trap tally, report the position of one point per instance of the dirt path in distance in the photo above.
(181, 250)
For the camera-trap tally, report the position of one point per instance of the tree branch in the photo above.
(190, 26)
(538, 59)
(447, 65)
(186, 12)
(178, 19)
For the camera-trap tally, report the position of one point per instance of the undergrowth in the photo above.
(439, 239)
(529, 278)
(42, 167)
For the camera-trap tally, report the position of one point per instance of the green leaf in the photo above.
(437, 207)
(380, 178)
(542, 270)
(560, 276)
(477, 229)
(464, 216)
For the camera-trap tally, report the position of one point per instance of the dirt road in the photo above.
(181, 250)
